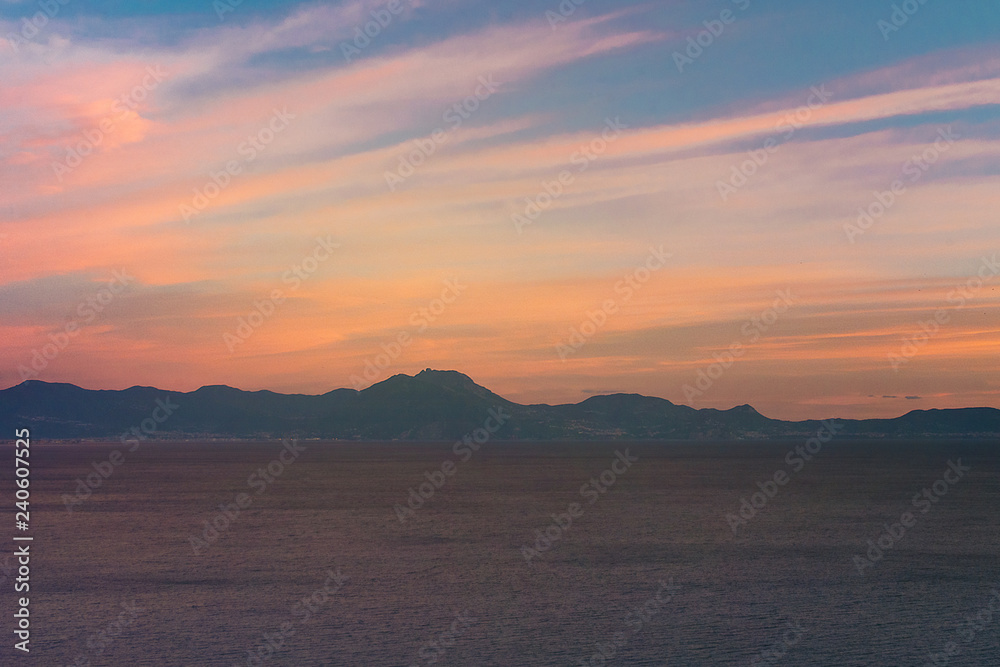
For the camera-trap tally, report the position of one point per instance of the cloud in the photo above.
(655, 184)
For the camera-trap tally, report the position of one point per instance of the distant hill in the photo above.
(432, 405)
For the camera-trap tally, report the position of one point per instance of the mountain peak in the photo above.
(451, 383)
(216, 388)
(449, 377)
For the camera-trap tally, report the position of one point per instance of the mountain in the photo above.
(432, 405)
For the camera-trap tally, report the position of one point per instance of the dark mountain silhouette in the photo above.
(432, 405)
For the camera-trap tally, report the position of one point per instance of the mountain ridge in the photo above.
(431, 405)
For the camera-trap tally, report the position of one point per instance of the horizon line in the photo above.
(621, 393)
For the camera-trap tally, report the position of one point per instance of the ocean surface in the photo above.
(640, 567)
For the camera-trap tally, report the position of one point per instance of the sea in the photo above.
(300, 553)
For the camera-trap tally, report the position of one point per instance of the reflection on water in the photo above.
(319, 568)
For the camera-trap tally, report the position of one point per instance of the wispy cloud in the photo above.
(353, 119)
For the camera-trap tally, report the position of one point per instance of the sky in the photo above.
(786, 204)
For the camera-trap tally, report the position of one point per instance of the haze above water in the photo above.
(454, 572)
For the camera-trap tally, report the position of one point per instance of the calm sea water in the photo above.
(649, 572)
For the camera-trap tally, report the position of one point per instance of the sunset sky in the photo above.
(517, 170)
